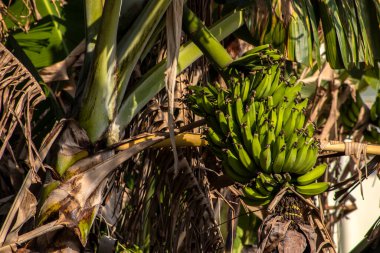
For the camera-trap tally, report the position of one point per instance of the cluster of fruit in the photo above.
(257, 128)
(350, 111)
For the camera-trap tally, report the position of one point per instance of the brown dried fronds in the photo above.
(19, 94)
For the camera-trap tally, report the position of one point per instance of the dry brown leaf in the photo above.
(59, 70)
(19, 94)
(80, 195)
(26, 211)
(293, 242)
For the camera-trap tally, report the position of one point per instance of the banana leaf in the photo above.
(53, 34)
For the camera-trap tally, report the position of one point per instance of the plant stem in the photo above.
(204, 39)
(98, 106)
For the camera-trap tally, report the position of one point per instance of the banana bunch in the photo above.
(372, 133)
(350, 111)
(257, 128)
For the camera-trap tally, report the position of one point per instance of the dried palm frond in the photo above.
(19, 94)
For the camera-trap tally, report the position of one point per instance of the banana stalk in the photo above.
(205, 40)
(196, 140)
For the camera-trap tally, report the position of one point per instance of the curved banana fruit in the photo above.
(291, 156)
(251, 193)
(236, 165)
(312, 175)
(229, 172)
(255, 202)
(313, 188)
(214, 138)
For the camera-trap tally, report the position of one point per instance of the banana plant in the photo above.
(89, 149)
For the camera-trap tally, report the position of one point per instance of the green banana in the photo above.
(313, 188)
(302, 105)
(245, 90)
(234, 130)
(346, 121)
(310, 128)
(255, 202)
(266, 159)
(260, 113)
(300, 120)
(247, 137)
(215, 138)
(312, 155)
(275, 82)
(270, 102)
(211, 90)
(288, 109)
(251, 114)
(270, 136)
(244, 158)
(290, 124)
(312, 175)
(207, 105)
(221, 100)
(236, 165)
(352, 116)
(228, 171)
(253, 194)
(258, 77)
(259, 186)
(239, 110)
(291, 156)
(261, 88)
(280, 118)
(278, 95)
(279, 160)
(272, 75)
(237, 89)
(256, 148)
(303, 139)
(263, 130)
(279, 178)
(300, 161)
(230, 109)
(267, 179)
(223, 122)
(291, 92)
(266, 182)
(273, 118)
(355, 108)
(278, 144)
(291, 140)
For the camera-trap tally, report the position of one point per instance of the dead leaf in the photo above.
(58, 71)
(26, 211)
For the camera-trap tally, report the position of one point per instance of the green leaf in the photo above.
(51, 38)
